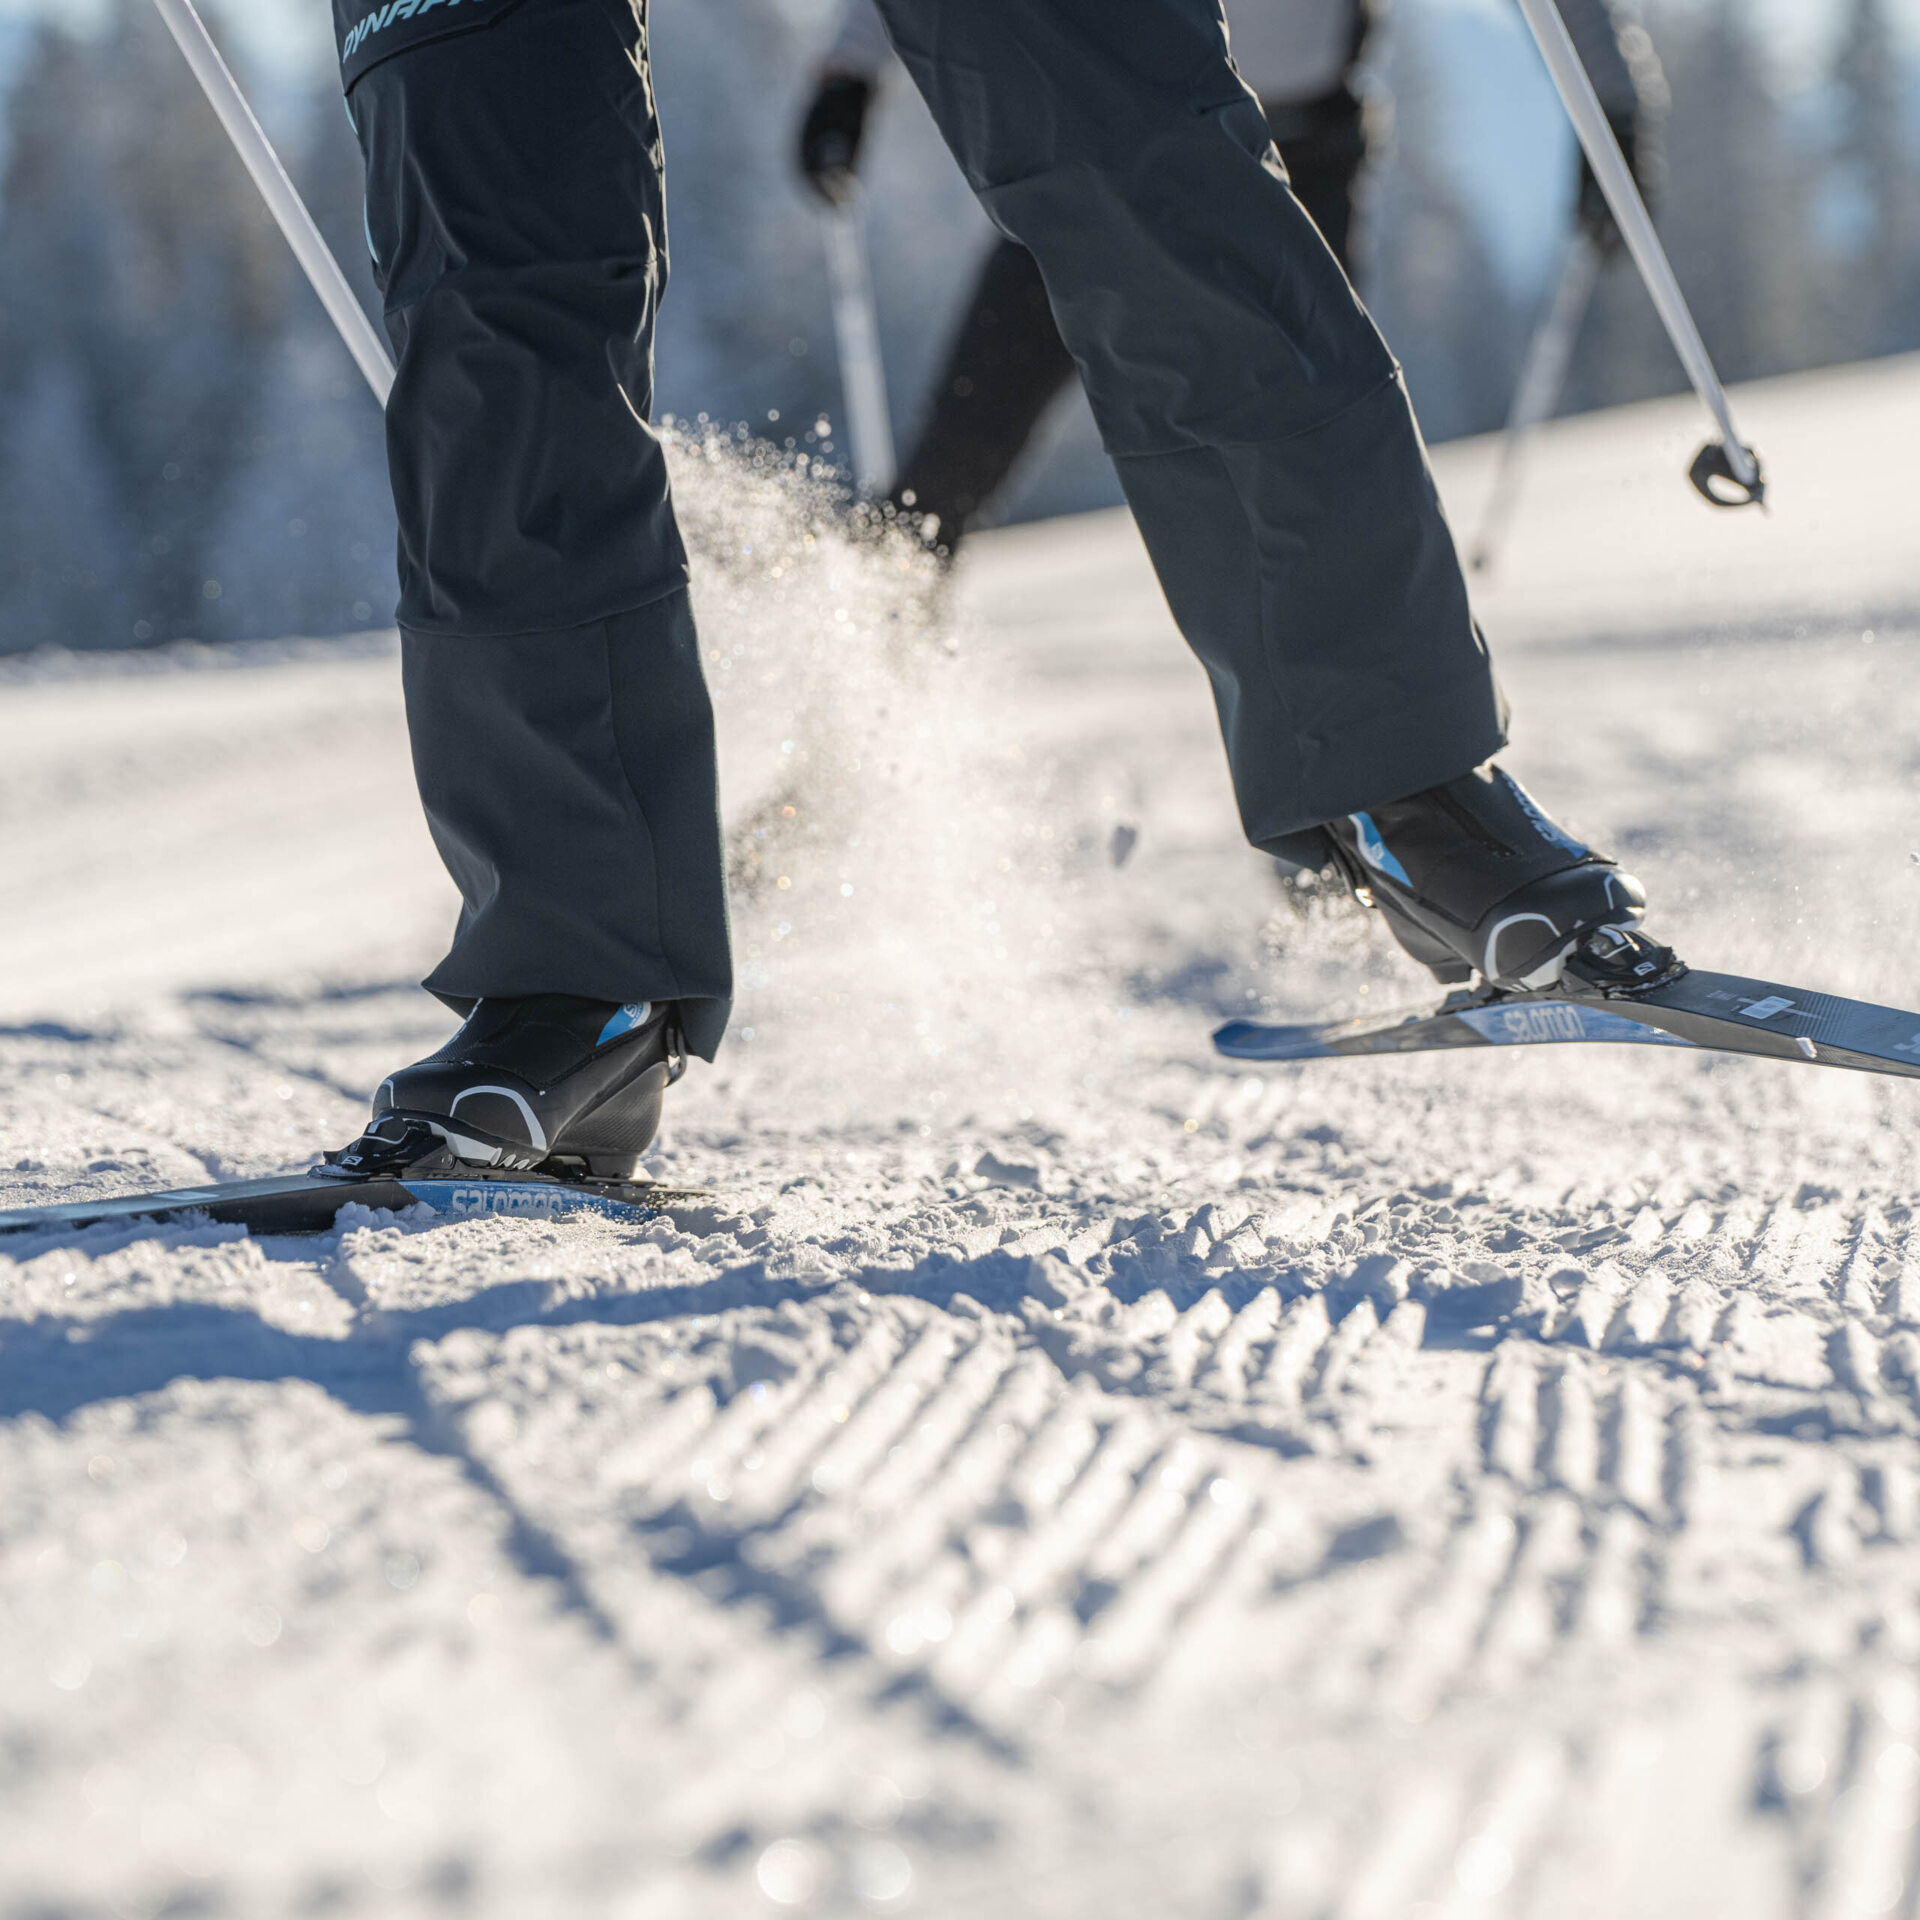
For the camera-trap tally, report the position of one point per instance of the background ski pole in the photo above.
(1543, 378)
(283, 201)
(1731, 461)
(863, 374)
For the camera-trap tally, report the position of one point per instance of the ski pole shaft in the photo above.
(283, 200)
(863, 374)
(1543, 379)
(1636, 228)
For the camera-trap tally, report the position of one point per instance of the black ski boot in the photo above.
(1473, 878)
(572, 1087)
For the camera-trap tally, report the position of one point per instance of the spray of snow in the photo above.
(904, 877)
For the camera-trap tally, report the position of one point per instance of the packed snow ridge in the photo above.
(1058, 1474)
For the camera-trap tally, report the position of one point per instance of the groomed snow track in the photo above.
(1061, 1475)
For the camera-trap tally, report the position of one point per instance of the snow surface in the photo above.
(1061, 1474)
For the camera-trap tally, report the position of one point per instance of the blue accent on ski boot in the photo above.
(1374, 851)
(624, 1019)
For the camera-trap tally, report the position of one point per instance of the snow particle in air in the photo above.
(806, 1715)
(790, 1872)
(1483, 1866)
(260, 1626)
(880, 1872)
(69, 1671)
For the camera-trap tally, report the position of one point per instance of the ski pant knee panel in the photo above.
(1008, 363)
(568, 781)
(1115, 141)
(515, 214)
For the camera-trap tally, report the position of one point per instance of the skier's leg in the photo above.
(561, 730)
(1008, 363)
(1006, 366)
(1265, 443)
(1255, 416)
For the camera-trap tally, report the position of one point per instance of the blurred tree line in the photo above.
(185, 449)
(1788, 206)
(182, 449)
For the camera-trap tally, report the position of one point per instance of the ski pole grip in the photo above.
(1713, 468)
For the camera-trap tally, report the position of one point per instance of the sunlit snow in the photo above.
(1060, 1473)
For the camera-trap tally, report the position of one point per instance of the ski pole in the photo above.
(283, 200)
(1543, 378)
(1731, 459)
(856, 326)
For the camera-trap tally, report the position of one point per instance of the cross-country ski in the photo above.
(1717, 1011)
(311, 1202)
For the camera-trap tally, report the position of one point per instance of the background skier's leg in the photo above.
(1003, 371)
(1324, 147)
(1255, 416)
(560, 721)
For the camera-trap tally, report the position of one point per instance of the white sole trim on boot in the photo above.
(1544, 975)
(536, 1134)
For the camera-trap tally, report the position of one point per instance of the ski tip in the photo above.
(1251, 1040)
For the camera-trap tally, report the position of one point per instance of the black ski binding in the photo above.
(393, 1145)
(1619, 962)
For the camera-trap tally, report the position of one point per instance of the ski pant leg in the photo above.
(561, 731)
(1257, 421)
(1008, 363)
(1005, 368)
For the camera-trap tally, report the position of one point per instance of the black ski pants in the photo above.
(1007, 364)
(561, 731)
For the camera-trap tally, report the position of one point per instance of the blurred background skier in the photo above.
(1302, 58)
(561, 730)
